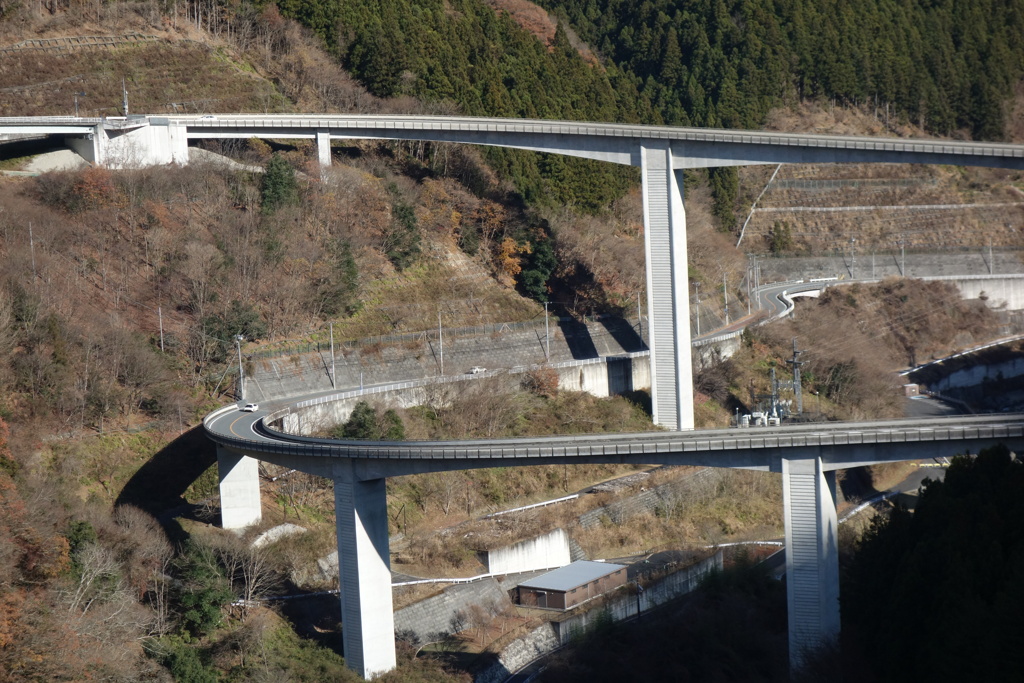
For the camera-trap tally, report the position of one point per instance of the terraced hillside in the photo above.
(815, 208)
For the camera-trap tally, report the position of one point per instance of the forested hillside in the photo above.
(952, 571)
(948, 67)
(484, 64)
(726, 62)
(121, 291)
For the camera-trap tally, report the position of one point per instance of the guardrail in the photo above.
(542, 504)
(217, 413)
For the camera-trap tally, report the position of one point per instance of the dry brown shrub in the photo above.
(542, 382)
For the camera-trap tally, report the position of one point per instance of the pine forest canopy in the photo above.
(726, 62)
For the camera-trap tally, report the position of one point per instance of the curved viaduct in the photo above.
(661, 152)
(806, 457)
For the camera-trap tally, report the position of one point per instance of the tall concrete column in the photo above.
(239, 489)
(323, 150)
(812, 556)
(367, 619)
(668, 301)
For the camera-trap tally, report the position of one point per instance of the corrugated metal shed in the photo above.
(572, 575)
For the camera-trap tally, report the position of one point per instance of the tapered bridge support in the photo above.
(364, 563)
(812, 556)
(239, 489)
(323, 151)
(667, 288)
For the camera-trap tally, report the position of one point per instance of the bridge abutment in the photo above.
(364, 564)
(240, 504)
(812, 556)
(668, 288)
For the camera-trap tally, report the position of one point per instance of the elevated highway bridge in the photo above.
(806, 456)
(806, 462)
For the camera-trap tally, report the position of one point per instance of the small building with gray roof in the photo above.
(570, 585)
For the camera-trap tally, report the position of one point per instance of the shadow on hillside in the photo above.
(159, 486)
(577, 338)
(624, 334)
(857, 484)
(316, 617)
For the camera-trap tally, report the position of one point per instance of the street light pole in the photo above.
(640, 316)
(334, 383)
(725, 293)
(241, 373)
(696, 296)
(547, 335)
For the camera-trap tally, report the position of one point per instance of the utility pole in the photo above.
(756, 276)
(241, 372)
(696, 296)
(124, 91)
(640, 315)
(796, 378)
(32, 248)
(725, 293)
(440, 340)
(748, 284)
(547, 335)
(334, 383)
(903, 262)
(991, 263)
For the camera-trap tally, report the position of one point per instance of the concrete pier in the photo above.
(323, 150)
(364, 563)
(667, 288)
(812, 555)
(239, 489)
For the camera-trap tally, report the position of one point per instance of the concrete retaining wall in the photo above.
(979, 375)
(596, 377)
(592, 379)
(519, 653)
(543, 552)
(445, 613)
(664, 497)
(726, 347)
(326, 415)
(998, 292)
(307, 369)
